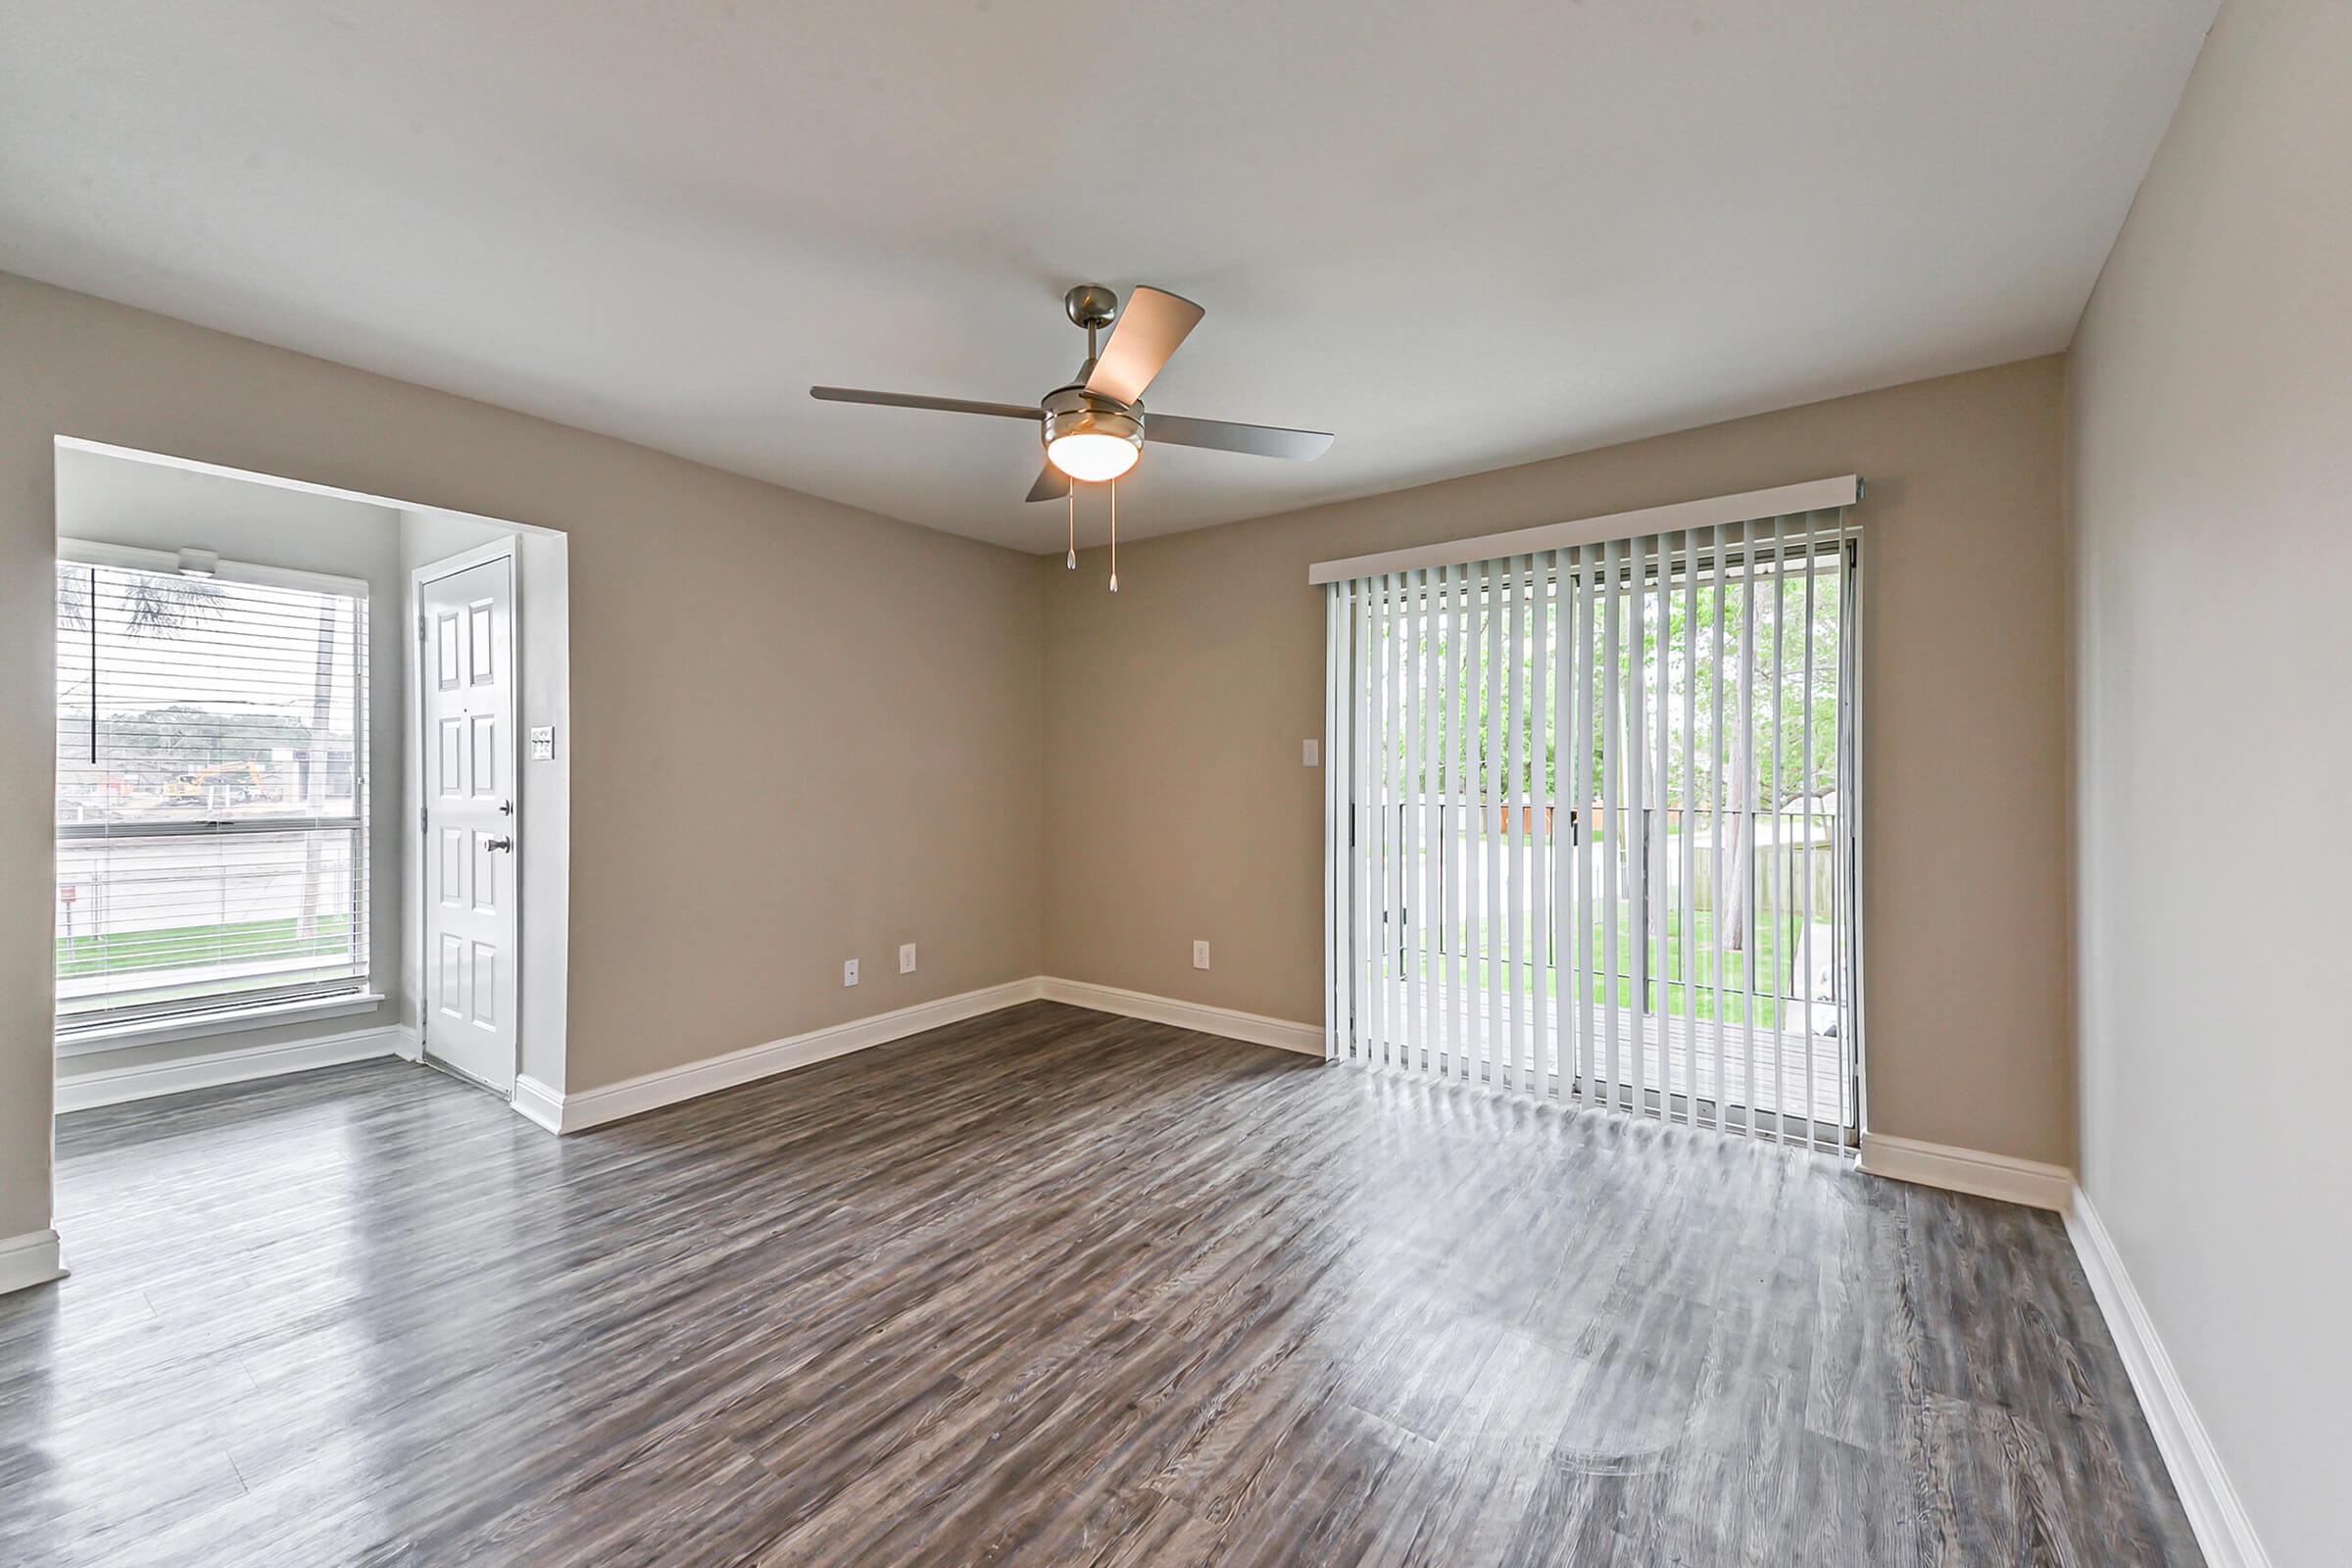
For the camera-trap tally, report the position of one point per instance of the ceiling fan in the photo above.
(1094, 427)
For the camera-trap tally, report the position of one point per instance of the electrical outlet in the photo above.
(848, 971)
(1312, 754)
(906, 958)
(1199, 955)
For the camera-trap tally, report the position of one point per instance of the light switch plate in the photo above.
(542, 742)
(848, 971)
(1199, 955)
(1312, 754)
(907, 958)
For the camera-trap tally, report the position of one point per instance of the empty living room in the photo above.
(1482, 771)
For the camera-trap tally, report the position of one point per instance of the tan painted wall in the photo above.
(1177, 806)
(2211, 403)
(800, 732)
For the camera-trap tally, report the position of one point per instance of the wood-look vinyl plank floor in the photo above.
(1046, 1286)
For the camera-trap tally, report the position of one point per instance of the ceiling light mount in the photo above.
(1091, 305)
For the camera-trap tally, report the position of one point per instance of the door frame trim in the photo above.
(509, 550)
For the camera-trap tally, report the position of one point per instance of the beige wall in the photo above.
(1177, 805)
(800, 732)
(2211, 401)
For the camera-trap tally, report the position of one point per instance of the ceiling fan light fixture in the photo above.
(1089, 437)
(1093, 456)
(1092, 427)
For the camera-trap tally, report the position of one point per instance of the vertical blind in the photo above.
(211, 844)
(1592, 824)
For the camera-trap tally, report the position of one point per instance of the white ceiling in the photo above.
(1461, 235)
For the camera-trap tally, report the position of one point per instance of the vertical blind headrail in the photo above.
(1647, 523)
(1738, 558)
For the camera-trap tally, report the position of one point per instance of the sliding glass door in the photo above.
(1592, 824)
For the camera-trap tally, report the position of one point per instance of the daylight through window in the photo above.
(211, 844)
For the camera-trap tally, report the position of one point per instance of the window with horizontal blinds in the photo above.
(212, 801)
(1592, 824)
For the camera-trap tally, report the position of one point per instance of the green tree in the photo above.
(150, 603)
(179, 737)
(1756, 745)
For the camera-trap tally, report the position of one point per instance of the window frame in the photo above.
(145, 1023)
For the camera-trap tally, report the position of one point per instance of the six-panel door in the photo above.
(469, 923)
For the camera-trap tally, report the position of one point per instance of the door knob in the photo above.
(500, 844)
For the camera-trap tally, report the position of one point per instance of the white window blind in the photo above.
(1592, 824)
(212, 843)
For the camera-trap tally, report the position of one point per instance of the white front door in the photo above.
(469, 821)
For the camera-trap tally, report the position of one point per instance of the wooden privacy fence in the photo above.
(1784, 859)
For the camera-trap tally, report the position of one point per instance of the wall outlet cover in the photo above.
(1199, 955)
(906, 958)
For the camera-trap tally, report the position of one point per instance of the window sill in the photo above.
(118, 1037)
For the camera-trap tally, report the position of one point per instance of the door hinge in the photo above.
(425, 820)
(421, 626)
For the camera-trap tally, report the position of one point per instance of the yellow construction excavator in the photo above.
(242, 780)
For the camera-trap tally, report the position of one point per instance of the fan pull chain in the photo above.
(1073, 562)
(1114, 536)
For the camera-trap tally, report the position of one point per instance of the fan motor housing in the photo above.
(1074, 410)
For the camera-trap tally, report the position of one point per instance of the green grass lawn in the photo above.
(1696, 1000)
(181, 947)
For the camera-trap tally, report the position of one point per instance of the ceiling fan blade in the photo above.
(909, 400)
(1052, 484)
(1149, 326)
(1258, 440)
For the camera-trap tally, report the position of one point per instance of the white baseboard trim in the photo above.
(109, 1086)
(1255, 1028)
(534, 1101)
(561, 1112)
(2223, 1531)
(1968, 1170)
(572, 1112)
(29, 1260)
